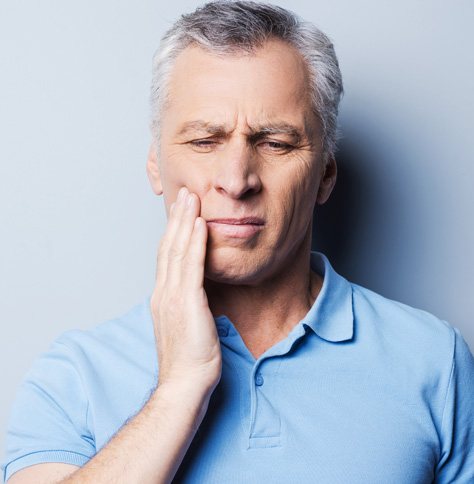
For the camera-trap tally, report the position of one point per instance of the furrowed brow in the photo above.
(287, 129)
(203, 126)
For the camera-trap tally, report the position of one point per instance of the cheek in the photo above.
(302, 191)
(176, 172)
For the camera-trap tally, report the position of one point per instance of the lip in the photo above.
(236, 227)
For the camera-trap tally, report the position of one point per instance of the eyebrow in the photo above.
(276, 128)
(204, 126)
(255, 132)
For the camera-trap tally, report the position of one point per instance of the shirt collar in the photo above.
(331, 316)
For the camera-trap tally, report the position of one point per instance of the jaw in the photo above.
(256, 265)
(235, 265)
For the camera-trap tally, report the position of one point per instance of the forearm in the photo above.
(152, 445)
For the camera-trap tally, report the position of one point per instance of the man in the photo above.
(270, 367)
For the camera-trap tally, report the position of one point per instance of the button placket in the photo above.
(265, 424)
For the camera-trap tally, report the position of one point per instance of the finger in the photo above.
(194, 263)
(183, 233)
(166, 241)
(178, 250)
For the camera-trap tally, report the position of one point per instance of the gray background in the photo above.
(80, 225)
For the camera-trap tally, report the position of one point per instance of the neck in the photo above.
(265, 313)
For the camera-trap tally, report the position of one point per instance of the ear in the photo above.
(153, 171)
(328, 180)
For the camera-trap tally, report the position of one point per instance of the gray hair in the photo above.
(227, 27)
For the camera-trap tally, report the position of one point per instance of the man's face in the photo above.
(240, 133)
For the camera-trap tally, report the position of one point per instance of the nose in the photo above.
(237, 175)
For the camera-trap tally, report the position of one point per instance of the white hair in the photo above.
(231, 28)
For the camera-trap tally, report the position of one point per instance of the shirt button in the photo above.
(222, 331)
(259, 379)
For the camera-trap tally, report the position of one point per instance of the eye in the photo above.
(276, 147)
(203, 145)
(202, 142)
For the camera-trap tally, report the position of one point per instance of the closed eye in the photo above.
(204, 145)
(203, 142)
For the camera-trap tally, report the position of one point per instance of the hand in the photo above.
(186, 337)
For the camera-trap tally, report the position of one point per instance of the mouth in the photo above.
(236, 227)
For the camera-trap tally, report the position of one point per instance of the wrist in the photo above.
(186, 398)
(196, 384)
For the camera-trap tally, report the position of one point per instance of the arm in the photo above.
(457, 431)
(151, 446)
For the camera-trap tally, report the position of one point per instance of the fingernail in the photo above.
(181, 193)
(189, 200)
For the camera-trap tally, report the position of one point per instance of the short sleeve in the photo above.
(48, 420)
(457, 439)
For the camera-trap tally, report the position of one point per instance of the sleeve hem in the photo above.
(43, 457)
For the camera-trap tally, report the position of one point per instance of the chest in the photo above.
(280, 423)
(295, 418)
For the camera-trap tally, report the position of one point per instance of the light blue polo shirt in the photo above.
(363, 390)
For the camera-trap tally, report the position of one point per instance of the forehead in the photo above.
(271, 83)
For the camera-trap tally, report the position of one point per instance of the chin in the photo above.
(230, 266)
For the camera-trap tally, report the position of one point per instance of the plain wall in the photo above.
(80, 225)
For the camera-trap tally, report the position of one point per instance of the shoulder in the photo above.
(98, 358)
(129, 333)
(135, 323)
(415, 345)
(115, 362)
(399, 320)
